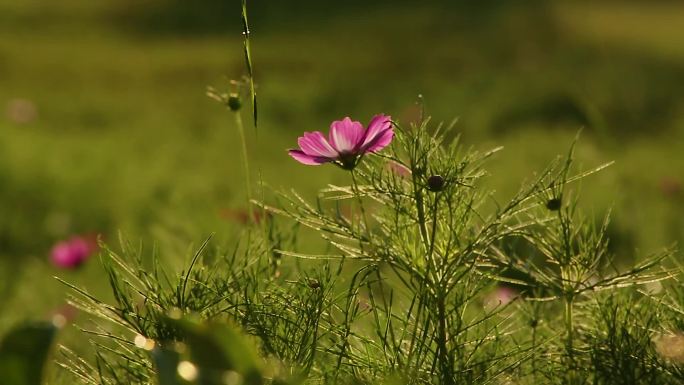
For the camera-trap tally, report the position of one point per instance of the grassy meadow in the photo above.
(106, 126)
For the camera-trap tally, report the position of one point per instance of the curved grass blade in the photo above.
(248, 60)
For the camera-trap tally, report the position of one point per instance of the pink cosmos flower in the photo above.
(347, 142)
(21, 111)
(501, 296)
(72, 253)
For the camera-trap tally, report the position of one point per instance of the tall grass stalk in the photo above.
(248, 60)
(245, 161)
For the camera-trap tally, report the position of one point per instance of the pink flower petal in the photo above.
(399, 169)
(346, 135)
(80, 247)
(63, 256)
(315, 145)
(381, 141)
(72, 253)
(304, 158)
(377, 132)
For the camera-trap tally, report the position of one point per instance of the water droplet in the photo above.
(232, 378)
(143, 343)
(140, 341)
(187, 370)
(59, 321)
(180, 347)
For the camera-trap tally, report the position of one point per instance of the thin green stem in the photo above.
(534, 351)
(248, 60)
(418, 196)
(444, 361)
(433, 235)
(569, 327)
(357, 193)
(245, 161)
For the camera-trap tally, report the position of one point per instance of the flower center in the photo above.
(347, 160)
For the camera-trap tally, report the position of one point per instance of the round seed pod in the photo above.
(314, 284)
(435, 183)
(234, 102)
(554, 204)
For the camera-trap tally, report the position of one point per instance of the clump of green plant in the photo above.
(424, 277)
(567, 260)
(402, 288)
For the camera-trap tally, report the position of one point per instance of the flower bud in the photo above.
(553, 204)
(435, 183)
(234, 102)
(314, 284)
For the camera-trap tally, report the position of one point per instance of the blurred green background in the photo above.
(105, 125)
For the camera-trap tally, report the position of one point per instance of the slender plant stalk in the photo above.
(445, 365)
(431, 248)
(534, 352)
(568, 294)
(252, 89)
(245, 161)
(248, 60)
(444, 362)
(418, 196)
(569, 327)
(357, 192)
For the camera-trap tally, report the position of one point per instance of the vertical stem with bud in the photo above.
(566, 282)
(357, 192)
(245, 160)
(435, 184)
(418, 197)
(248, 60)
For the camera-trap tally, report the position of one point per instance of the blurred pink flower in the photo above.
(73, 252)
(670, 186)
(21, 111)
(399, 169)
(411, 115)
(501, 296)
(63, 315)
(505, 294)
(347, 142)
(242, 216)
